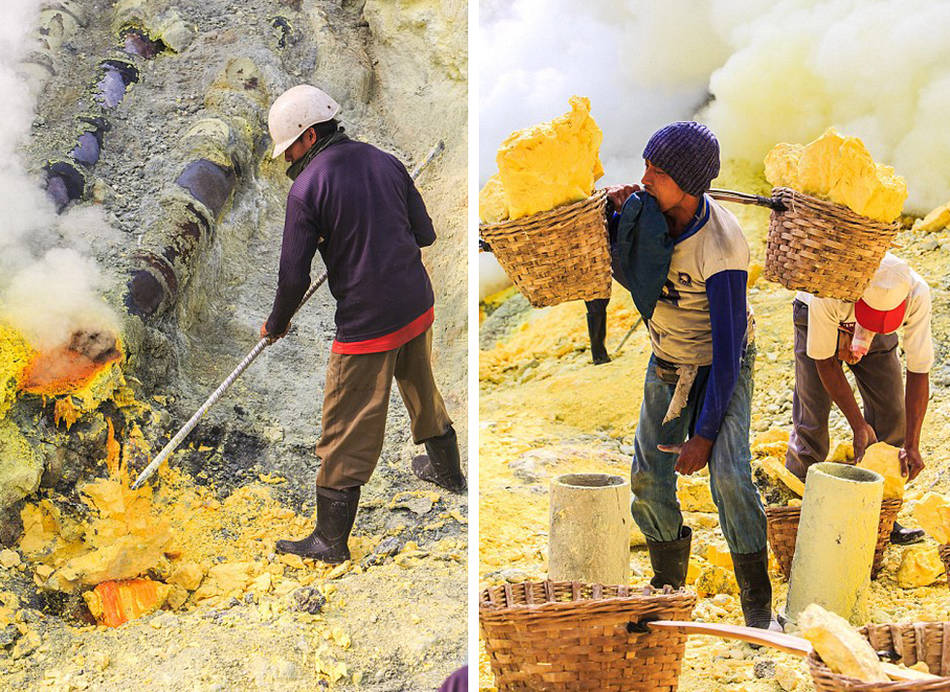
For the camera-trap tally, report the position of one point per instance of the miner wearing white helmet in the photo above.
(359, 208)
(864, 335)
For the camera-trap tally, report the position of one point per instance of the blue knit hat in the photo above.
(688, 151)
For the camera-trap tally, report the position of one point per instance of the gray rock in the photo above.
(308, 599)
(20, 468)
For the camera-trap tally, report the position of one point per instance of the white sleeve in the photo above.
(823, 318)
(918, 344)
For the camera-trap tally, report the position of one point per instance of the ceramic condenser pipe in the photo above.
(837, 534)
(589, 538)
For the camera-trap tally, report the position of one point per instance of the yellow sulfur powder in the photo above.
(545, 166)
(839, 169)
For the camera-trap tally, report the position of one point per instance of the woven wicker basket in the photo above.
(921, 641)
(557, 255)
(573, 636)
(782, 526)
(823, 248)
(945, 556)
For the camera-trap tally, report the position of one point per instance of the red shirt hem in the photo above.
(387, 342)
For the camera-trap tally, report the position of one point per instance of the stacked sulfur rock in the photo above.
(839, 169)
(544, 166)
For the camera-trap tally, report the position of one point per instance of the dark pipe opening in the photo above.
(138, 43)
(117, 75)
(64, 183)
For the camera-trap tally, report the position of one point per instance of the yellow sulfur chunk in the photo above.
(842, 649)
(884, 459)
(714, 579)
(933, 515)
(187, 575)
(718, 555)
(935, 220)
(492, 207)
(694, 494)
(553, 163)
(839, 169)
(920, 566)
(777, 471)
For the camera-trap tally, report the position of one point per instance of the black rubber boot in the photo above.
(597, 330)
(755, 589)
(901, 535)
(441, 465)
(336, 510)
(670, 559)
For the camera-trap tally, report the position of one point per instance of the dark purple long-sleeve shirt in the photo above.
(358, 206)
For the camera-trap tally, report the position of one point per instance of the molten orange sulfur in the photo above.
(61, 371)
(116, 602)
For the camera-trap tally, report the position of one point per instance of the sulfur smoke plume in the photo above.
(48, 288)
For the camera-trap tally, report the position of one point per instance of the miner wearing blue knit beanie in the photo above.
(698, 388)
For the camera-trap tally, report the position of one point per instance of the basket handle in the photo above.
(745, 198)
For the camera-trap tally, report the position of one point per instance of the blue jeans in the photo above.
(653, 478)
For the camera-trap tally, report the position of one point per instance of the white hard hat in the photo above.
(294, 111)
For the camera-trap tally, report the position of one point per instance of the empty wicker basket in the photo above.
(573, 636)
(823, 248)
(557, 255)
(945, 556)
(782, 526)
(921, 641)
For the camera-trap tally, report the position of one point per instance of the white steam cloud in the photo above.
(776, 71)
(47, 292)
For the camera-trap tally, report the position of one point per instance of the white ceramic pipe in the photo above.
(837, 535)
(589, 538)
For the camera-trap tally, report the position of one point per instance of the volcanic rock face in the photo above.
(152, 123)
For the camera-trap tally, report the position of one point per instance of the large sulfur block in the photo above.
(837, 535)
(589, 537)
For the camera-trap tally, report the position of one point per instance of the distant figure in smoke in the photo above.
(358, 206)
(699, 379)
(864, 335)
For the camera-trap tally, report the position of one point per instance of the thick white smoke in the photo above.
(48, 289)
(776, 71)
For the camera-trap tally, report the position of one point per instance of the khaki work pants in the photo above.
(355, 402)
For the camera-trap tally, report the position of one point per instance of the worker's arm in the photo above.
(726, 291)
(836, 384)
(296, 254)
(916, 394)
(419, 221)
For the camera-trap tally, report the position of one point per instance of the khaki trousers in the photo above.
(355, 402)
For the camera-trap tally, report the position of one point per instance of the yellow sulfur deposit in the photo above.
(932, 512)
(15, 354)
(492, 207)
(545, 166)
(935, 220)
(839, 169)
(884, 459)
(920, 566)
(842, 649)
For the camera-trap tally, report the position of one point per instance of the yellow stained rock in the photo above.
(9, 558)
(492, 207)
(777, 471)
(227, 579)
(719, 555)
(15, 355)
(550, 164)
(920, 566)
(839, 169)
(694, 494)
(932, 512)
(842, 649)
(884, 459)
(841, 452)
(714, 579)
(187, 574)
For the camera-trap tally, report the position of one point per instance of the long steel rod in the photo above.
(248, 359)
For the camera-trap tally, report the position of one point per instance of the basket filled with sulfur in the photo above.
(574, 636)
(840, 215)
(540, 214)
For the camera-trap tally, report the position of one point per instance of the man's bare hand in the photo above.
(911, 463)
(618, 194)
(845, 354)
(693, 455)
(273, 337)
(864, 437)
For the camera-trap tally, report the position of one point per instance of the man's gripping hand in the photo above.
(693, 455)
(911, 463)
(272, 337)
(618, 194)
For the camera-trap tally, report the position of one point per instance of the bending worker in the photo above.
(358, 206)
(863, 335)
(699, 379)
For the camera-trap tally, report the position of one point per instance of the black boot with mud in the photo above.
(901, 535)
(597, 330)
(441, 465)
(670, 560)
(755, 589)
(336, 511)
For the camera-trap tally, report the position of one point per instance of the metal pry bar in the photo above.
(248, 359)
